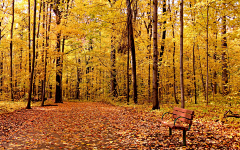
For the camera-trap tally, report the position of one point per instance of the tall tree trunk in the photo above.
(224, 53)
(78, 78)
(43, 52)
(181, 55)
(128, 53)
(215, 72)
(47, 31)
(11, 54)
(29, 36)
(113, 58)
(132, 47)
(113, 61)
(201, 74)
(148, 26)
(155, 57)
(35, 88)
(33, 59)
(149, 62)
(174, 50)
(163, 31)
(207, 56)
(194, 57)
(1, 58)
(58, 93)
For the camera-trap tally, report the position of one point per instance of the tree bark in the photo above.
(47, 31)
(58, 92)
(29, 35)
(201, 74)
(148, 26)
(181, 55)
(33, 59)
(215, 72)
(1, 58)
(164, 31)
(207, 56)
(194, 58)
(224, 54)
(132, 47)
(174, 50)
(78, 79)
(11, 54)
(113, 61)
(128, 53)
(155, 57)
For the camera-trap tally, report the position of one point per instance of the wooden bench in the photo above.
(181, 120)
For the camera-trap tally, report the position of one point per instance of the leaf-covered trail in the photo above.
(100, 126)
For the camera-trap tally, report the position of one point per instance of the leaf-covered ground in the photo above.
(91, 125)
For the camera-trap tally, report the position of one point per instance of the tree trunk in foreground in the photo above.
(11, 54)
(58, 93)
(181, 55)
(33, 58)
(132, 47)
(155, 57)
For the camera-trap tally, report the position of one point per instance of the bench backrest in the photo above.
(187, 114)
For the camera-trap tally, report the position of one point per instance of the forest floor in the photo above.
(94, 125)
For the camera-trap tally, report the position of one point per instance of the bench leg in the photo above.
(170, 131)
(184, 138)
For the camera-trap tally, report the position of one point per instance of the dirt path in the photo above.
(99, 126)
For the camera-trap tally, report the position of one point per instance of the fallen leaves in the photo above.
(101, 126)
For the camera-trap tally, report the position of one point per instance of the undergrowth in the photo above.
(11, 106)
(214, 111)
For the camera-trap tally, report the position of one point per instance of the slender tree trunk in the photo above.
(43, 45)
(148, 26)
(113, 67)
(33, 61)
(48, 25)
(1, 59)
(47, 30)
(58, 92)
(174, 50)
(35, 88)
(164, 31)
(215, 72)
(113, 59)
(181, 55)
(201, 74)
(207, 56)
(132, 47)
(155, 57)
(194, 58)
(78, 79)
(149, 33)
(194, 74)
(224, 54)
(128, 53)
(11, 54)
(29, 36)
(87, 79)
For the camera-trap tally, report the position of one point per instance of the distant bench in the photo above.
(182, 121)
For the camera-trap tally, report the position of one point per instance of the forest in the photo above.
(81, 50)
(147, 54)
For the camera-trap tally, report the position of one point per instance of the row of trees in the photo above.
(98, 49)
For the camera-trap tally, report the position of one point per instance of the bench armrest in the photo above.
(181, 117)
(165, 114)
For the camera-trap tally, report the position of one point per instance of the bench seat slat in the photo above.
(171, 125)
(191, 112)
(177, 113)
(184, 120)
